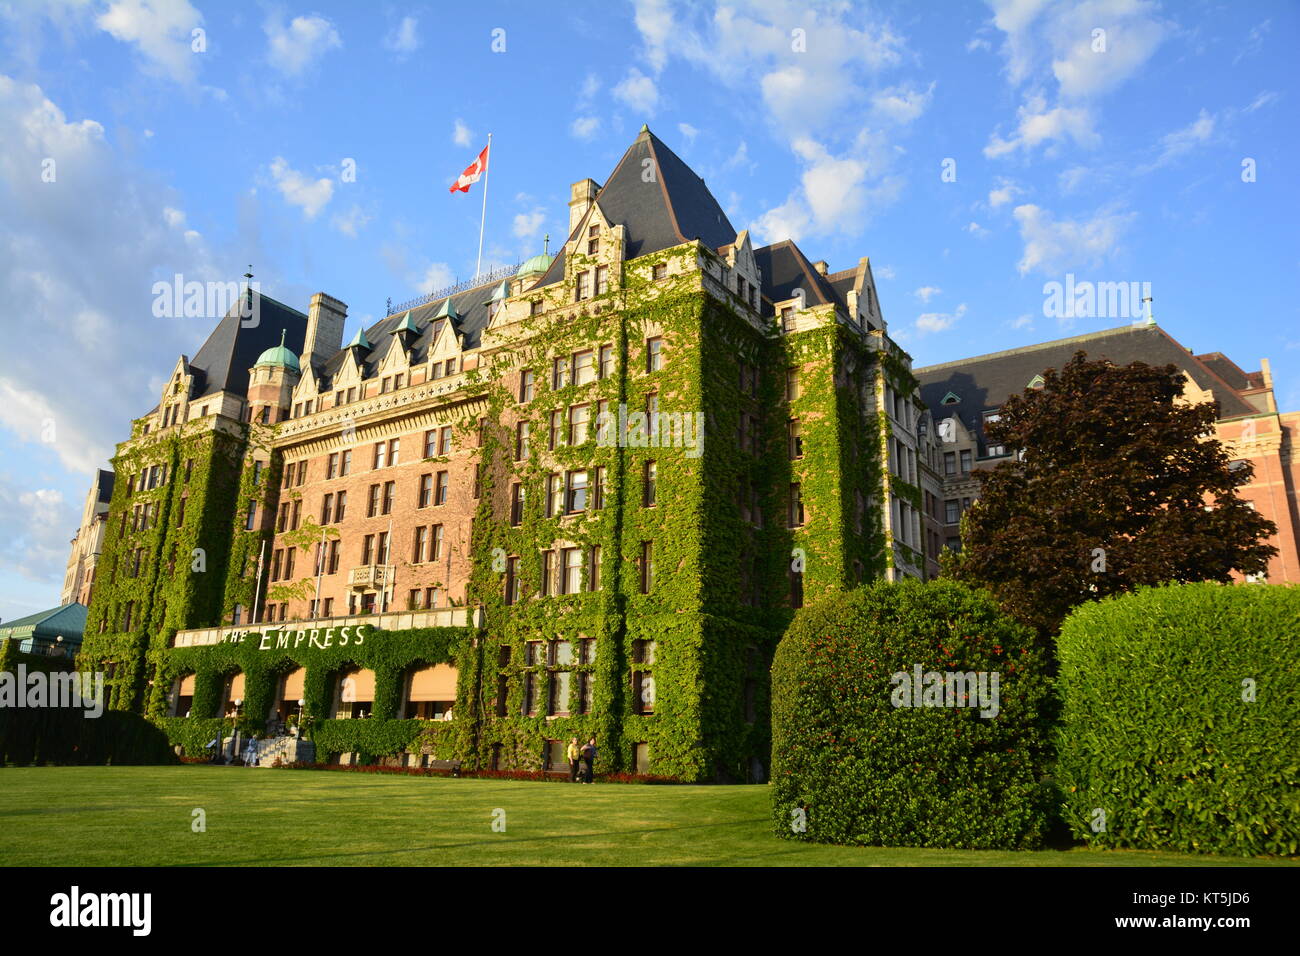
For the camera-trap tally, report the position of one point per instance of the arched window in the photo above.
(182, 696)
(431, 692)
(289, 690)
(354, 693)
(232, 692)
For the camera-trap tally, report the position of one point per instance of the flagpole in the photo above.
(478, 266)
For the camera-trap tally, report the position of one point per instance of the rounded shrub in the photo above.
(860, 756)
(1181, 717)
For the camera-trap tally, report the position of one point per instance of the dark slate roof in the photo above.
(984, 382)
(471, 305)
(69, 620)
(222, 364)
(103, 486)
(675, 208)
(785, 268)
(1227, 369)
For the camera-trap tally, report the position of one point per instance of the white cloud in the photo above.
(1040, 125)
(1060, 245)
(527, 224)
(79, 257)
(654, 19)
(638, 91)
(926, 292)
(351, 222)
(1025, 321)
(404, 39)
(310, 195)
(1003, 193)
(939, 321)
(461, 134)
(587, 92)
(161, 30)
(978, 231)
(303, 42)
(437, 275)
(36, 526)
(1182, 141)
(1264, 99)
(883, 272)
(900, 104)
(585, 127)
(688, 132)
(1072, 178)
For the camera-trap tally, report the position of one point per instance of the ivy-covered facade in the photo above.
(581, 500)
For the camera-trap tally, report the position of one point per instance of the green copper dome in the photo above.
(279, 355)
(536, 265)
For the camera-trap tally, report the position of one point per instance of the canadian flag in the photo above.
(472, 173)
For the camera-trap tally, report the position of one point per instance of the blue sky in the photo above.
(1114, 156)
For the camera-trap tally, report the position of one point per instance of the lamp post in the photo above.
(234, 734)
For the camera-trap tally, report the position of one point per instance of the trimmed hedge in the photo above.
(864, 771)
(65, 735)
(1158, 733)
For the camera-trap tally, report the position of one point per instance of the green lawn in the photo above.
(112, 816)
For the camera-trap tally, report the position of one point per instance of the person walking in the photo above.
(574, 754)
(588, 758)
(250, 752)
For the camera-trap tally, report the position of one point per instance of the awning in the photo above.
(433, 683)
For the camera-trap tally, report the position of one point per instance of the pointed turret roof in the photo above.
(360, 341)
(671, 208)
(406, 325)
(448, 310)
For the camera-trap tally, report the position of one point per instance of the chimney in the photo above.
(582, 195)
(821, 267)
(325, 318)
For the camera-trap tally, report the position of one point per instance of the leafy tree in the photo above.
(1118, 484)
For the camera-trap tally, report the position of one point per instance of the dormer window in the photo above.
(1036, 382)
(584, 286)
(493, 308)
(787, 319)
(593, 240)
(950, 399)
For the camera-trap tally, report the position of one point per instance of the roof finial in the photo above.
(546, 244)
(282, 338)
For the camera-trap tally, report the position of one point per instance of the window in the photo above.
(598, 488)
(593, 575)
(548, 571)
(352, 395)
(796, 438)
(530, 695)
(584, 286)
(440, 489)
(796, 506)
(327, 509)
(385, 385)
(584, 367)
(654, 354)
(535, 307)
(332, 466)
(787, 319)
(949, 463)
(659, 270)
(512, 580)
(554, 439)
(554, 496)
(522, 431)
(295, 515)
(516, 504)
(965, 462)
(649, 482)
(444, 440)
(526, 386)
(647, 566)
(398, 380)
(431, 443)
(602, 280)
(420, 546)
(593, 239)
(340, 505)
(333, 562)
(346, 463)
(643, 682)
(394, 450)
(606, 361)
(250, 521)
(372, 506)
(575, 498)
(570, 570)
(426, 491)
(579, 416)
(381, 455)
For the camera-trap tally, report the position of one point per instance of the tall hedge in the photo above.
(849, 766)
(1181, 719)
